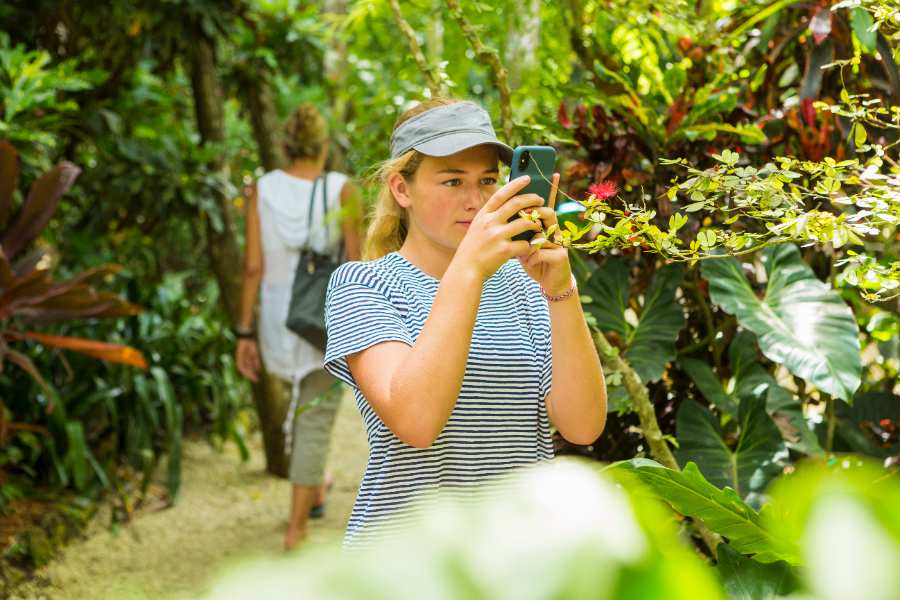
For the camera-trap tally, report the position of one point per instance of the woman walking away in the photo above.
(283, 218)
(461, 344)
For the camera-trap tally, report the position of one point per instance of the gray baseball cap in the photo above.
(446, 130)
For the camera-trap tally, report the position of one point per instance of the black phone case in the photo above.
(541, 160)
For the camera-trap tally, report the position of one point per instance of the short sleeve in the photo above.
(358, 315)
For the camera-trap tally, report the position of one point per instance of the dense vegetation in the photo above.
(733, 193)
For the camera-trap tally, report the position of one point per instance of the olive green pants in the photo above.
(319, 399)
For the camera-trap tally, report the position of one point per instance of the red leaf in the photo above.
(117, 353)
(563, 116)
(581, 115)
(677, 112)
(9, 176)
(43, 197)
(809, 111)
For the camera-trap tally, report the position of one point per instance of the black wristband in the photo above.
(240, 332)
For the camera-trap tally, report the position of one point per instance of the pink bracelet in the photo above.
(561, 297)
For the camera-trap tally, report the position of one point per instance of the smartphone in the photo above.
(537, 162)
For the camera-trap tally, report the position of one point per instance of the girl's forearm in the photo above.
(577, 403)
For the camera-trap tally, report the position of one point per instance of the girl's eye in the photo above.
(452, 182)
(489, 181)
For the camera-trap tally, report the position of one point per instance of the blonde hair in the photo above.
(389, 222)
(305, 133)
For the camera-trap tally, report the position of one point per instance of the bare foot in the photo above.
(293, 538)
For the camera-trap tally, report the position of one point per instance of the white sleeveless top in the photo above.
(283, 207)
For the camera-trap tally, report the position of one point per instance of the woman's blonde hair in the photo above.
(305, 133)
(389, 222)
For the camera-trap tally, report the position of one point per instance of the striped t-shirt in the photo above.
(499, 421)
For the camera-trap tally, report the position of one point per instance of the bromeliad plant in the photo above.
(28, 295)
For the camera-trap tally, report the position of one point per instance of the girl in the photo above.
(278, 227)
(456, 352)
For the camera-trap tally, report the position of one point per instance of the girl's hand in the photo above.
(247, 359)
(488, 244)
(548, 263)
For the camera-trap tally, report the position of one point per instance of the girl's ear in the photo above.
(400, 189)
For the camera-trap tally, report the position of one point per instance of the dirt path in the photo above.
(227, 511)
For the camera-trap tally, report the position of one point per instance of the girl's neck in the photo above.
(305, 168)
(429, 257)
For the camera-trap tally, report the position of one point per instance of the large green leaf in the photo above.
(707, 381)
(650, 345)
(722, 510)
(747, 579)
(800, 322)
(750, 380)
(755, 459)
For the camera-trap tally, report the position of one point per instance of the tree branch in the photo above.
(431, 72)
(491, 58)
(640, 401)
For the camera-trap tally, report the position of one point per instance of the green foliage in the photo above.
(800, 321)
(545, 534)
(754, 460)
(648, 344)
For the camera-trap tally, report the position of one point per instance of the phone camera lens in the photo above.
(523, 161)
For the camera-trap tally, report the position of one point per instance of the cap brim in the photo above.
(457, 142)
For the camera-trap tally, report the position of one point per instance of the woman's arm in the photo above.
(253, 262)
(351, 207)
(577, 399)
(248, 362)
(414, 389)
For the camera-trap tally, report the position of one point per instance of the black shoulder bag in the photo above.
(306, 314)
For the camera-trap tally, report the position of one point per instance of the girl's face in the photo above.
(446, 192)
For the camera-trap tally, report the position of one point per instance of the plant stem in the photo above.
(829, 415)
(646, 412)
(432, 76)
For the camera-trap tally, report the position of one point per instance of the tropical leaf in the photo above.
(800, 322)
(9, 176)
(751, 380)
(722, 510)
(706, 380)
(650, 345)
(102, 350)
(39, 206)
(748, 579)
(755, 459)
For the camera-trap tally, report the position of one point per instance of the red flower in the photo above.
(603, 190)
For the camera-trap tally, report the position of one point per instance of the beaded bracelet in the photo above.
(561, 297)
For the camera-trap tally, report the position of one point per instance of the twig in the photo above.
(489, 57)
(431, 72)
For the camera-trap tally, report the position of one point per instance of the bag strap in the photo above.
(309, 214)
(325, 207)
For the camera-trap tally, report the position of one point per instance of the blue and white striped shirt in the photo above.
(499, 421)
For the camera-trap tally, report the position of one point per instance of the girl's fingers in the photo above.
(517, 203)
(509, 190)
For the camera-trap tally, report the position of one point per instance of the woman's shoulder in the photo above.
(369, 273)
